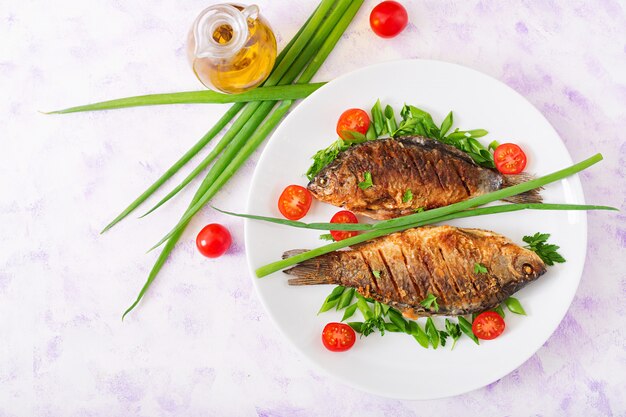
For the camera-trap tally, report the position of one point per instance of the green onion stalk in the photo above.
(321, 45)
(217, 128)
(316, 41)
(262, 110)
(505, 208)
(273, 93)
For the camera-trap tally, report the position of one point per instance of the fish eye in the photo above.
(527, 269)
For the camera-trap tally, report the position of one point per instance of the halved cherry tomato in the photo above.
(388, 19)
(343, 216)
(509, 158)
(338, 337)
(213, 240)
(295, 201)
(488, 325)
(355, 120)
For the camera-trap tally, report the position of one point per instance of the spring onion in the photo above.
(329, 33)
(228, 116)
(319, 54)
(504, 208)
(273, 93)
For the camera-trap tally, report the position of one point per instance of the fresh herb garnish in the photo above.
(378, 119)
(466, 327)
(419, 209)
(547, 252)
(367, 181)
(390, 120)
(326, 236)
(514, 306)
(346, 298)
(454, 331)
(446, 125)
(349, 312)
(493, 145)
(396, 318)
(325, 157)
(363, 306)
(499, 310)
(408, 196)
(371, 324)
(414, 329)
(443, 336)
(332, 299)
(479, 268)
(414, 121)
(376, 273)
(430, 301)
(432, 332)
(353, 136)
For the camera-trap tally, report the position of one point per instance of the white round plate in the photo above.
(395, 365)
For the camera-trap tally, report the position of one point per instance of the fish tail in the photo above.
(532, 196)
(314, 271)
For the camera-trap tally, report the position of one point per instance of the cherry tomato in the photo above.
(388, 19)
(213, 240)
(338, 337)
(295, 201)
(355, 120)
(343, 216)
(509, 158)
(488, 325)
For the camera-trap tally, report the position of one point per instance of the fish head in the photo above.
(527, 266)
(327, 186)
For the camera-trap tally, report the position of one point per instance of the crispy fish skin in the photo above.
(401, 269)
(436, 174)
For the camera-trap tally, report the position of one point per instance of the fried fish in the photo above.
(407, 174)
(402, 269)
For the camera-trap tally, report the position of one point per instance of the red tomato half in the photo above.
(213, 240)
(294, 202)
(488, 325)
(338, 337)
(355, 120)
(509, 158)
(388, 19)
(343, 216)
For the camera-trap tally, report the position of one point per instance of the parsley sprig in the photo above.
(538, 243)
(407, 196)
(430, 302)
(479, 268)
(367, 181)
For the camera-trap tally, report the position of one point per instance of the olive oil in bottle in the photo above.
(231, 48)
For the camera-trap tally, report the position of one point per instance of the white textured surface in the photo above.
(200, 343)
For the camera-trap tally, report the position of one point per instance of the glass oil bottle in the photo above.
(231, 48)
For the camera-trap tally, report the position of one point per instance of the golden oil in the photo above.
(231, 48)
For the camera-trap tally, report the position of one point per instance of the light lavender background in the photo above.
(201, 343)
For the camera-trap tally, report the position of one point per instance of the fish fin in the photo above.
(531, 196)
(314, 271)
(293, 252)
(435, 144)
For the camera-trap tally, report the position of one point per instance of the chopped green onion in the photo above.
(514, 306)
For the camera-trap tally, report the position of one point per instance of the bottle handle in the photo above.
(251, 12)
